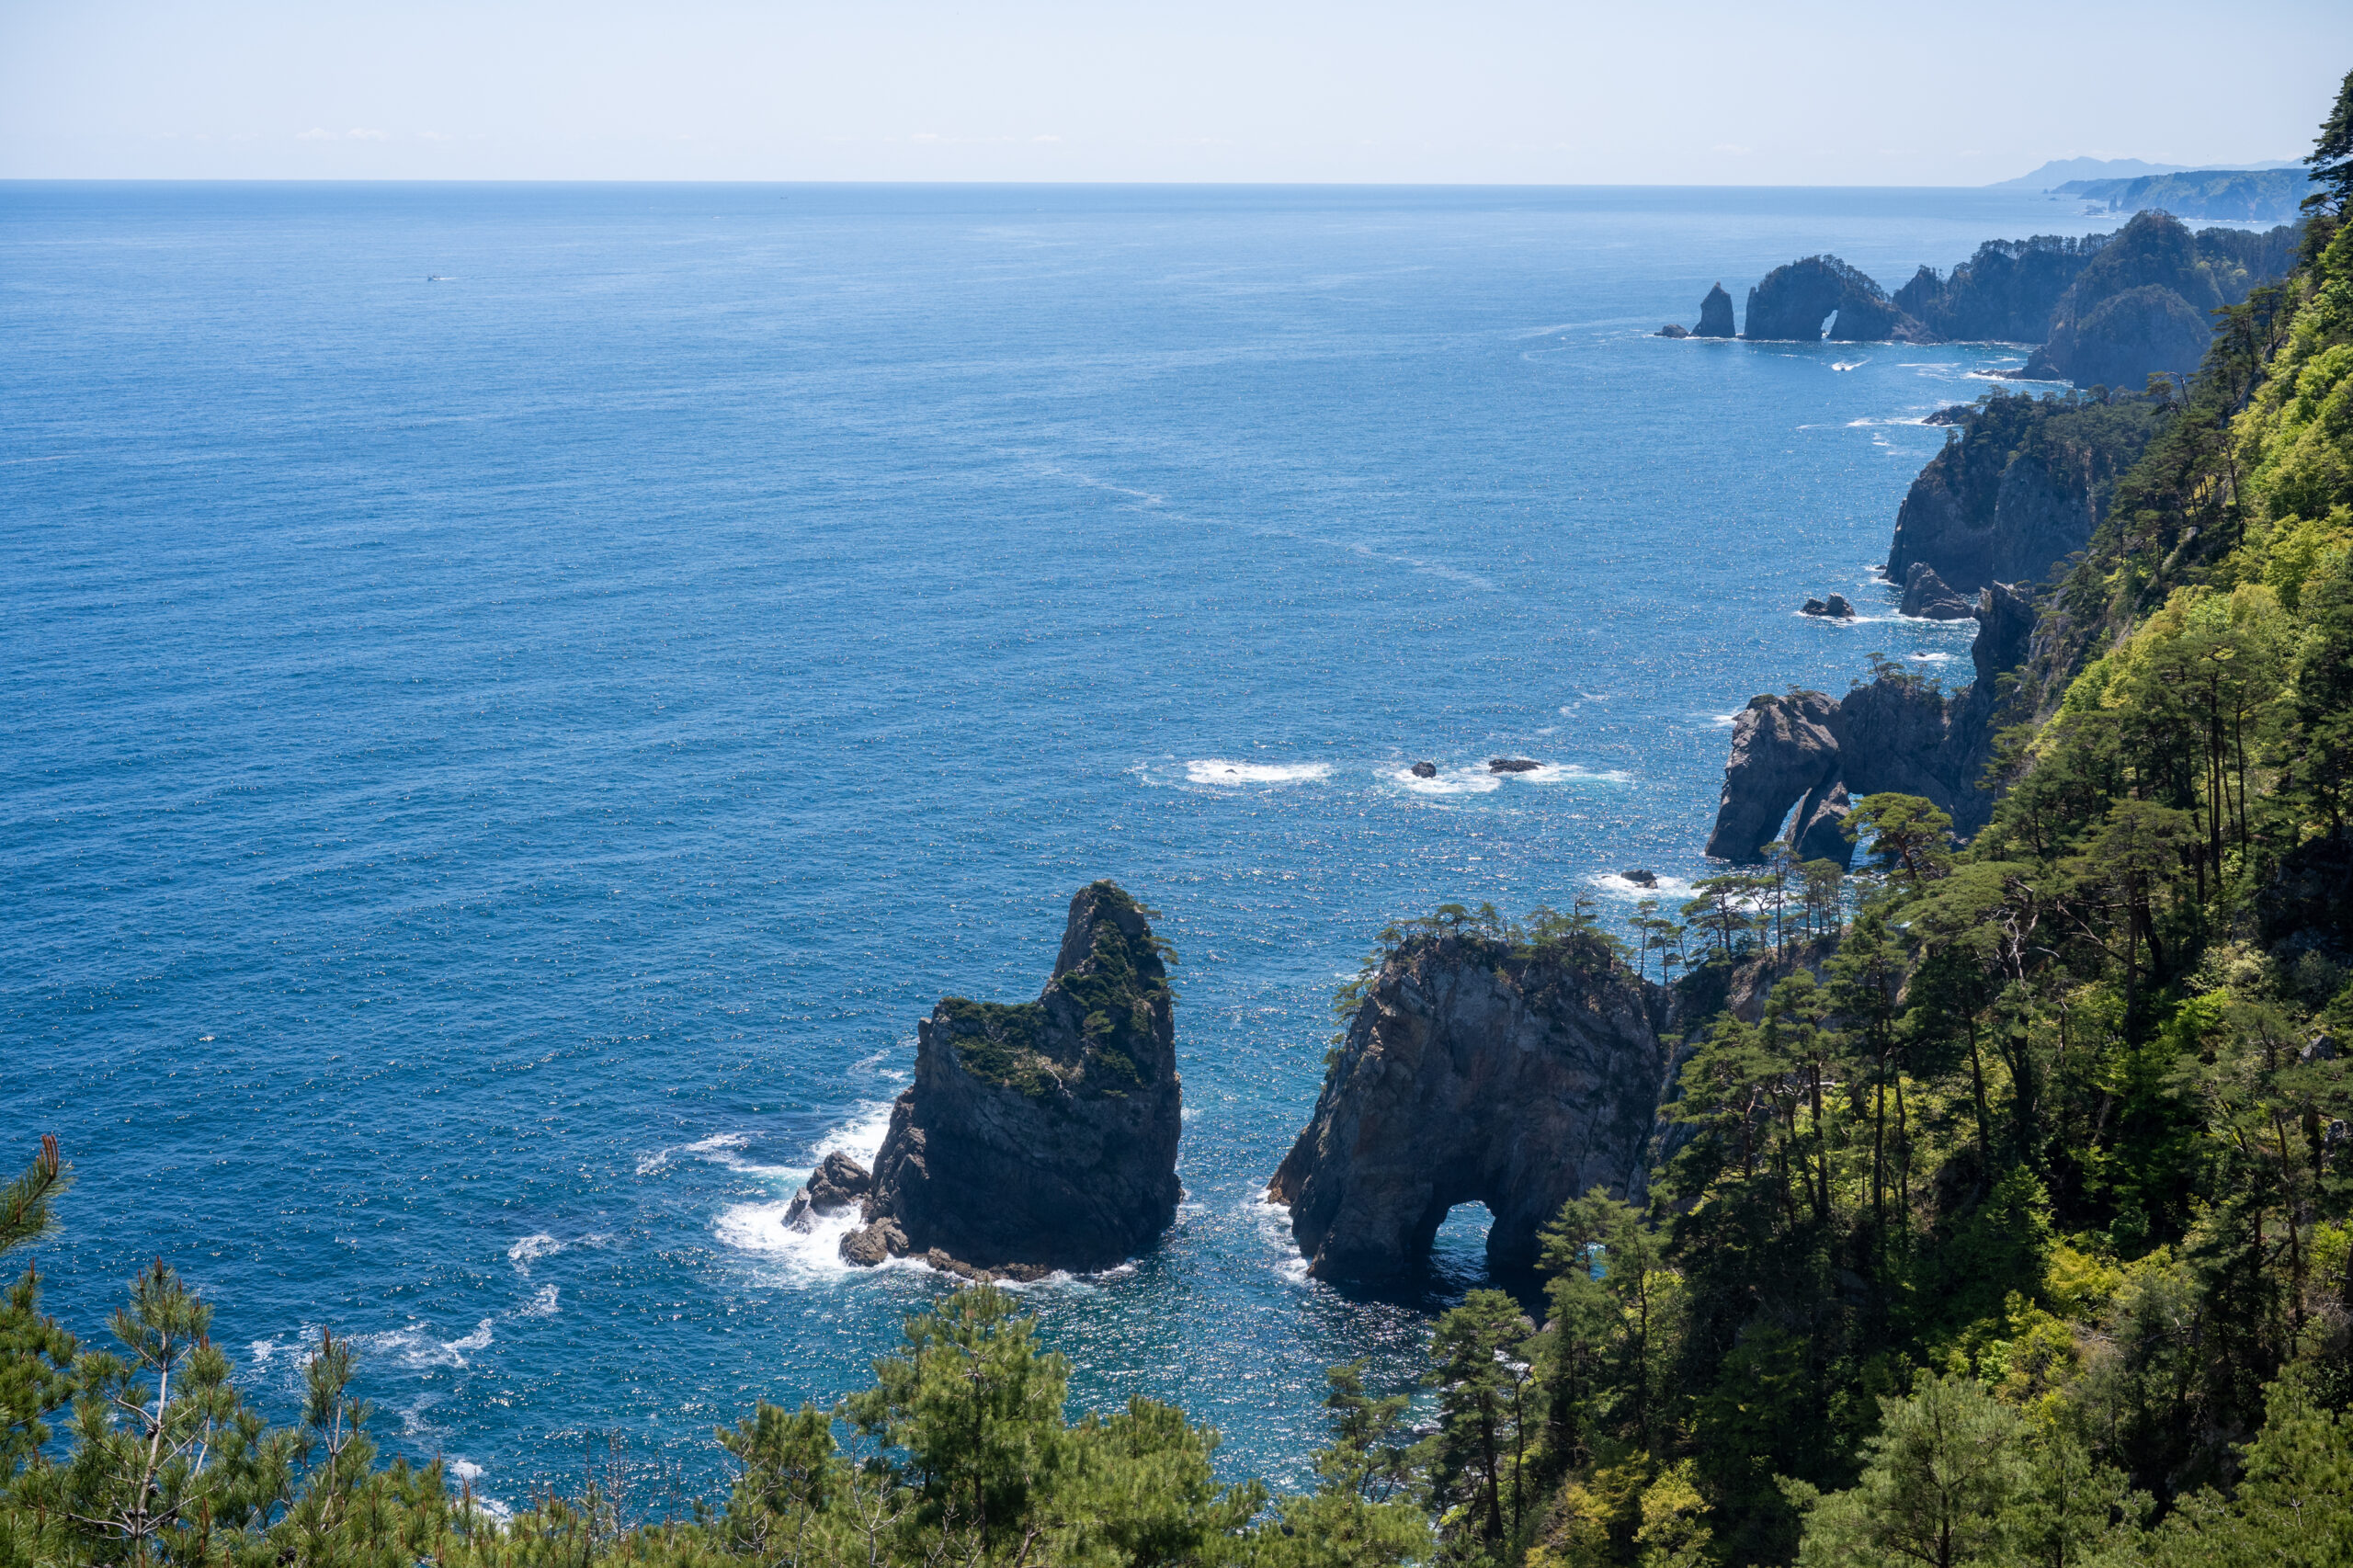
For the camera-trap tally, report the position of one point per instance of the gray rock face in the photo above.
(837, 1184)
(1425, 770)
(1897, 733)
(1715, 314)
(1043, 1135)
(1512, 765)
(1835, 608)
(2017, 488)
(1926, 595)
(1782, 749)
(1793, 302)
(1673, 329)
(1473, 1074)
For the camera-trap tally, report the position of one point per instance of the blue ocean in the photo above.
(514, 699)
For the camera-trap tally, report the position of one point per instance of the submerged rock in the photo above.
(1426, 770)
(1926, 595)
(1475, 1071)
(1041, 1135)
(1512, 765)
(1715, 314)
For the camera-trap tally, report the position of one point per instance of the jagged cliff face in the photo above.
(1792, 302)
(1715, 314)
(2018, 489)
(1043, 1135)
(2140, 306)
(1473, 1072)
(2005, 293)
(1897, 733)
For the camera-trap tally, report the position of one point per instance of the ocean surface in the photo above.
(514, 700)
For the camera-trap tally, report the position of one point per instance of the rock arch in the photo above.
(1475, 1071)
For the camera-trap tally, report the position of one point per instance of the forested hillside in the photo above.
(2014, 1226)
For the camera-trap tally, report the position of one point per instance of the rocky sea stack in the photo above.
(1039, 1135)
(1518, 1073)
(1715, 314)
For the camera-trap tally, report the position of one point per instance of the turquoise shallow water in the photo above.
(495, 766)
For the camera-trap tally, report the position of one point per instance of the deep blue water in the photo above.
(492, 769)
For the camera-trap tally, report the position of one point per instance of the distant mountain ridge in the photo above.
(2262, 196)
(2058, 172)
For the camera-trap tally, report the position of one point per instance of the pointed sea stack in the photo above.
(1715, 315)
(1040, 1135)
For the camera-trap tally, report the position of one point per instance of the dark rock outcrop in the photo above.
(1793, 302)
(1512, 765)
(1928, 595)
(1041, 1135)
(2020, 484)
(2140, 306)
(1425, 770)
(837, 1183)
(1715, 314)
(1476, 1070)
(1836, 608)
(1897, 732)
(1672, 330)
(2005, 293)
(1782, 750)
(1641, 878)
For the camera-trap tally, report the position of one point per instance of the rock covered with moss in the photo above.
(1040, 1135)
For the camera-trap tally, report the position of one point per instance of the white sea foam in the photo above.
(465, 1470)
(1472, 781)
(541, 1305)
(1217, 770)
(1668, 887)
(759, 1227)
(1930, 658)
(531, 1249)
(412, 1348)
(1571, 773)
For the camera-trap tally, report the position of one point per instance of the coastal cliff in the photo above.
(1793, 302)
(1477, 1068)
(1896, 733)
(2141, 305)
(1041, 1135)
(2019, 486)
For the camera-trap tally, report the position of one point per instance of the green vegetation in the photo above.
(2016, 1228)
(1118, 991)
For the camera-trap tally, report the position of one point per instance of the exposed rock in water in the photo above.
(1715, 314)
(1928, 595)
(1792, 302)
(1954, 413)
(1895, 732)
(1782, 749)
(1671, 330)
(1041, 1135)
(1835, 608)
(1512, 765)
(1641, 878)
(837, 1184)
(1475, 1071)
(2019, 487)
(1426, 770)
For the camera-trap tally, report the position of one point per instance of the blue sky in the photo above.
(1214, 90)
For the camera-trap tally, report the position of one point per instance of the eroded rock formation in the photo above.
(1929, 596)
(1041, 1135)
(1804, 758)
(1793, 302)
(2019, 485)
(1715, 314)
(1476, 1070)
